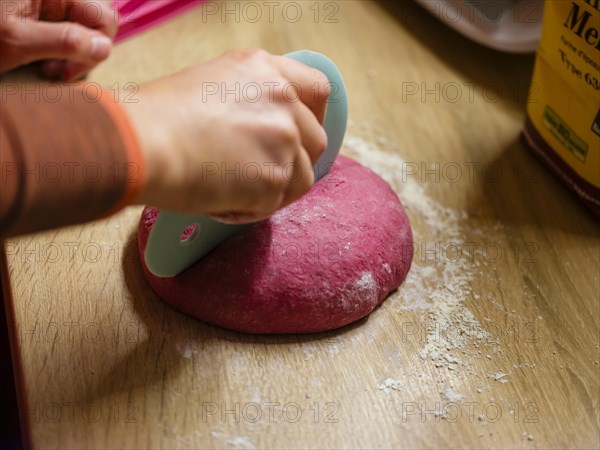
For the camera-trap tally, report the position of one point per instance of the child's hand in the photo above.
(70, 36)
(234, 138)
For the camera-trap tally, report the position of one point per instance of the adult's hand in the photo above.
(235, 137)
(70, 36)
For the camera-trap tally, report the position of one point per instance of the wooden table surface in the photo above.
(492, 341)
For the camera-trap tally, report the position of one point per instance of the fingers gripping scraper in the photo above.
(167, 254)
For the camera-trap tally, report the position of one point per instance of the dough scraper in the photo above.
(167, 254)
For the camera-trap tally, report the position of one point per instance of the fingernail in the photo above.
(234, 218)
(100, 47)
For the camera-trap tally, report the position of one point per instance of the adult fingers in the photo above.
(63, 41)
(314, 138)
(312, 86)
(95, 14)
(300, 179)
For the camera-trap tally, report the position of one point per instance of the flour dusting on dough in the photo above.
(366, 282)
(364, 289)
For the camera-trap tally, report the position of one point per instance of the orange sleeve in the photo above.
(137, 178)
(67, 155)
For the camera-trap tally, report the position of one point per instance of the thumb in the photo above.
(64, 40)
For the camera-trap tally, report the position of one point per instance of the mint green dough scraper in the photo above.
(167, 254)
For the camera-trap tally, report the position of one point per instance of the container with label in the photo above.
(563, 112)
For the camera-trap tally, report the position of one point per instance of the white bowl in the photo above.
(508, 25)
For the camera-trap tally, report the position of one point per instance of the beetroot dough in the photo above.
(323, 262)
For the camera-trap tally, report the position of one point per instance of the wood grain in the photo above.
(103, 363)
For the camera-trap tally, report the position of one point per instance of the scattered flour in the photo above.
(452, 396)
(499, 376)
(240, 442)
(438, 288)
(186, 349)
(236, 442)
(391, 384)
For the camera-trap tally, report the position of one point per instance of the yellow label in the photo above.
(564, 101)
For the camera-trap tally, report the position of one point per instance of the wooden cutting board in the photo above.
(492, 342)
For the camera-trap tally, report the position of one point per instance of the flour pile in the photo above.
(438, 286)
